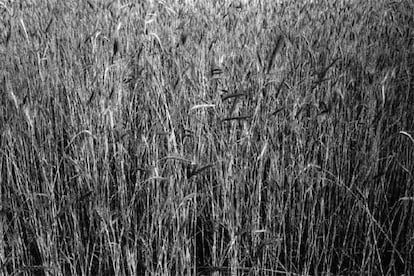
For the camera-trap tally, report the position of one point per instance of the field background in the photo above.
(206, 137)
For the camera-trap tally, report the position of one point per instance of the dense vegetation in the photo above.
(202, 137)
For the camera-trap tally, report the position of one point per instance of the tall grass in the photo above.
(184, 138)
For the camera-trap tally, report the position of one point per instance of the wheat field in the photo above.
(206, 137)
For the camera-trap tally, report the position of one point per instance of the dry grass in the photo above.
(164, 138)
